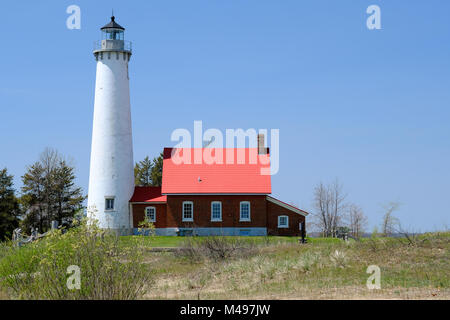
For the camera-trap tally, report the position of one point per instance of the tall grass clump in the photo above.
(339, 259)
(308, 261)
(5, 248)
(107, 271)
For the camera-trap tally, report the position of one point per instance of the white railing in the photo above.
(113, 45)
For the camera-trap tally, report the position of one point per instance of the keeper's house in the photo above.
(227, 198)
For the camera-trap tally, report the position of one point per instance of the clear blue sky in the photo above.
(368, 107)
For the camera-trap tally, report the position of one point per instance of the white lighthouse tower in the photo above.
(111, 179)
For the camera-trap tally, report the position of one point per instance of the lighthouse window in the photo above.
(188, 211)
(109, 204)
(113, 35)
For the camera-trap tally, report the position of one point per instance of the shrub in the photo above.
(215, 248)
(107, 270)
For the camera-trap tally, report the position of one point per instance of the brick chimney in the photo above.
(261, 147)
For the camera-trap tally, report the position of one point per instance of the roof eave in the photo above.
(287, 206)
(217, 193)
(148, 202)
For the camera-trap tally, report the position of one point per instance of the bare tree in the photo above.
(321, 203)
(330, 207)
(357, 221)
(389, 222)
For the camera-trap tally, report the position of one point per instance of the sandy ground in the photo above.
(343, 293)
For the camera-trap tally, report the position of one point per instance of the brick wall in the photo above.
(139, 214)
(273, 211)
(230, 211)
(263, 213)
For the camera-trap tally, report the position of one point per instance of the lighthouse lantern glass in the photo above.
(112, 34)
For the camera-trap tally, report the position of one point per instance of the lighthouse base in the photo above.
(120, 232)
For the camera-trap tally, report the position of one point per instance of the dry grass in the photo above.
(319, 270)
(361, 293)
(3, 295)
(313, 271)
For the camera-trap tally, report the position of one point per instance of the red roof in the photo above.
(148, 194)
(229, 177)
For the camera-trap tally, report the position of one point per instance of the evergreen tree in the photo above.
(9, 206)
(49, 192)
(68, 197)
(143, 173)
(149, 172)
(33, 198)
(157, 170)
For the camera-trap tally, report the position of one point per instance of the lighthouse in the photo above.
(111, 178)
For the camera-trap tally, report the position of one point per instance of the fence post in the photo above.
(54, 224)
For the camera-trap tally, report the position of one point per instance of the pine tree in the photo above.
(143, 172)
(68, 198)
(49, 192)
(33, 198)
(9, 206)
(149, 172)
(157, 170)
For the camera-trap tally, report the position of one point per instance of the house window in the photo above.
(188, 211)
(216, 211)
(283, 222)
(244, 211)
(109, 204)
(150, 214)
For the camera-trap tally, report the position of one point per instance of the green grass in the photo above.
(172, 242)
(155, 241)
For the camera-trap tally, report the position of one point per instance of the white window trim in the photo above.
(287, 222)
(182, 212)
(114, 203)
(150, 220)
(249, 211)
(216, 219)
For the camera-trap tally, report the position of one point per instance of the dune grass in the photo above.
(319, 270)
(279, 268)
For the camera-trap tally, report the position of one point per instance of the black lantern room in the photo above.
(113, 31)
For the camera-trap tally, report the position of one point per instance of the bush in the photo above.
(107, 271)
(215, 248)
